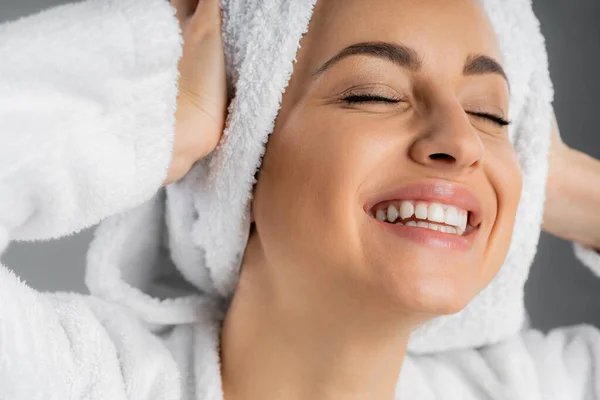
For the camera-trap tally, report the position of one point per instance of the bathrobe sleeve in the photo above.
(87, 101)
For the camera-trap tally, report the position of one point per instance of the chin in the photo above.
(423, 272)
(431, 298)
(428, 284)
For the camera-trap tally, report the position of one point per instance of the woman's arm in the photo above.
(572, 209)
(100, 104)
(87, 100)
(92, 95)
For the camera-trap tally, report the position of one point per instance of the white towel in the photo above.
(208, 211)
(87, 96)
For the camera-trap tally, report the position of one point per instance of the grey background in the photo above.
(560, 291)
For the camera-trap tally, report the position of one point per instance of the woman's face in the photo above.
(394, 113)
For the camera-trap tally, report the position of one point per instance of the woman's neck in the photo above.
(308, 348)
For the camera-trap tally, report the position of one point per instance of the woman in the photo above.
(383, 128)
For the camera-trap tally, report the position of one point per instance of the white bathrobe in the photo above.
(87, 100)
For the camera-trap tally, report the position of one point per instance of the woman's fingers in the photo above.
(206, 18)
(202, 98)
(208, 7)
(185, 9)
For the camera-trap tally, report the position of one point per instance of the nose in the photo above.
(448, 141)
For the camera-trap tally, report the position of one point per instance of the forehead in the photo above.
(436, 29)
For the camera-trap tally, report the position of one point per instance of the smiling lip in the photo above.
(435, 239)
(434, 192)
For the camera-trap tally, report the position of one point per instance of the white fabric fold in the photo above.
(87, 96)
(87, 133)
(79, 82)
(208, 212)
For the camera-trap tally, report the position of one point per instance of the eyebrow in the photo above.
(408, 58)
(479, 64)
(399, 54)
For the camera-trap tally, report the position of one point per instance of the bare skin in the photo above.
(324, 307)
(327, 300)
(202, 99)
(201, 113)
(573, 194)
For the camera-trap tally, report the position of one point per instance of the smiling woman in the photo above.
(410, 111)
(380, 252)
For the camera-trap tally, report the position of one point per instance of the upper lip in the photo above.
(436, 191)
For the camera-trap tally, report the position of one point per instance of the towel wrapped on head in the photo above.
(207, 214)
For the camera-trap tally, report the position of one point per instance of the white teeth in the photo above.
(406, 209)
(421, 211)
(447, 229)
(432, 215)
(436, 213)
(451, 217)
(392, 213)
(434, 227)
(462, 221)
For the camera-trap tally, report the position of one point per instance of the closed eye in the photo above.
(372, 98)
(369, 98)
(491, 118)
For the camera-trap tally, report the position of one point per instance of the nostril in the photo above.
(442, 157)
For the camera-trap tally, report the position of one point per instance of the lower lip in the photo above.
(431, 238)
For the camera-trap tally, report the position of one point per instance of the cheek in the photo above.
(305, 200)
(505, 176)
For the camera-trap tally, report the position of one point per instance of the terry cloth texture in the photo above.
(208, 212)
(87, 101)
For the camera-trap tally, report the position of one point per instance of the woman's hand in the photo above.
(202, 98)
(572, 209)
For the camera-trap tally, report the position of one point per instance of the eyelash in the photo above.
(490, 118)
(369, 98)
